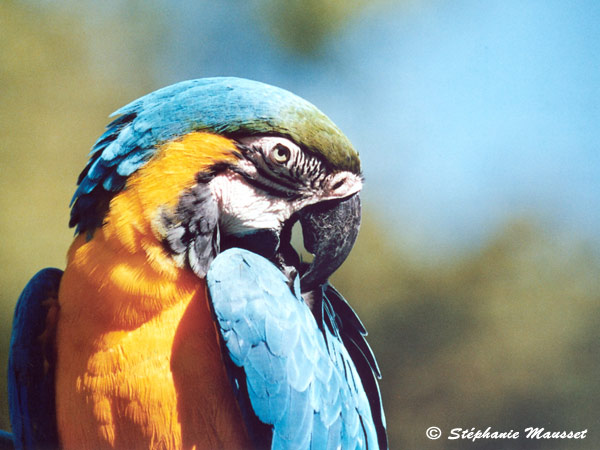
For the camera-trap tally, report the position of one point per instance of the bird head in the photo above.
(226, 162)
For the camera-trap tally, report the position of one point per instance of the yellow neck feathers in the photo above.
(127, 253)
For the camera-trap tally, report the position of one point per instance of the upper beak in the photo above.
(330, 229)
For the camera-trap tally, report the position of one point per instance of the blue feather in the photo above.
(30, 383)
(113, 182)
(132, 162)
(307, 393)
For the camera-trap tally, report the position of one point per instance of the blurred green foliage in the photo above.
(305, 25)
(504, 336)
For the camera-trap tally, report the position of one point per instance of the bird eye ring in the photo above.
(281, 154)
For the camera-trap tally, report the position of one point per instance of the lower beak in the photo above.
(330, 229)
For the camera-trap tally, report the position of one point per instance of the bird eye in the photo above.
(281, 154)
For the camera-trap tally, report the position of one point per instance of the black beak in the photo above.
(330, 230)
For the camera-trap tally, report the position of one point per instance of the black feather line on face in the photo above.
(268, 186)
(300, 175)
(275, 174)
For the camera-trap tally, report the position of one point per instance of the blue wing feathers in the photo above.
(344, 322)
(352, 327)
(299, 380)
(132, 162)
(30, 380)
(281, 336)
(344, 310)
(320, 434)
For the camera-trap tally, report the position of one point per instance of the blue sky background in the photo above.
(466, 113)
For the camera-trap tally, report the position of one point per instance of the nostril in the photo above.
(338, 184)
(342, 184)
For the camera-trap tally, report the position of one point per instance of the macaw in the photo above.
(184, 317)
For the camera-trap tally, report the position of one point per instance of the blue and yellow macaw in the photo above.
(184, 317)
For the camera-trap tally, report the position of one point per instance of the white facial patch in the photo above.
(245, 208)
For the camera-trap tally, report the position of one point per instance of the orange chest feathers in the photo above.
(139, 363)
(161, 384)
